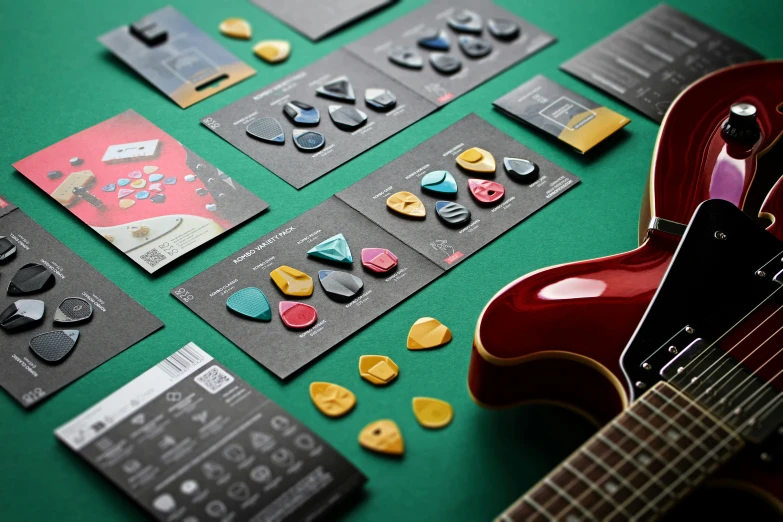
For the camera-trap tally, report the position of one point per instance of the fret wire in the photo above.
(706, 415)
(568, 497)
(654, 429)
(538, 507)
(640, 442)
(608, 468)
(591, 485)
(683, 410)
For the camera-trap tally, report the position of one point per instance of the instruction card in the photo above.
(189, 440)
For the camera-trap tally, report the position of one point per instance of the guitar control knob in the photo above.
(741, 125)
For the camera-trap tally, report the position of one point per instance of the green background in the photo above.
(59, 80)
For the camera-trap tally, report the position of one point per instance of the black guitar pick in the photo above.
(54, 346)
(73, 310)
(30, 279)
(7, 249)
(22, 313)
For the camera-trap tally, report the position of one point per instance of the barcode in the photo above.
(180, 361)
(153, 257)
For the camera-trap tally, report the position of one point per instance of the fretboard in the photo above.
(635, 468)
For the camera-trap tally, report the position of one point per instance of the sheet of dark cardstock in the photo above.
(319, 18)
(300, 168)
(283, 351)
(182, 410)
(429, 236)
(648, 62)
(438, 88)
(108, 332)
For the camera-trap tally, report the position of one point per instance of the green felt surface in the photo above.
(59, 80)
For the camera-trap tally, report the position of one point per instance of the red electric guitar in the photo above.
(556, 335)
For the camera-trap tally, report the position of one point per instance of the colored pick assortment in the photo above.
(477, 160)
(251, 303)
(331, 399)
(333, 249)
(272, 51)
(427, 333)
(432, 413)
(486, 191)
(236, 28)
(406, 204)
(378, 260)
(340, 286)
(378, 369)
(382, 436)
(439, 182)
(297, 316)
(292, 282)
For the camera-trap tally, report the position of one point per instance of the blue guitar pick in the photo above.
(250, 302)
(439, 182)
(155, 177)
(123, 181)
(111, 187)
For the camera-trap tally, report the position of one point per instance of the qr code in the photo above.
(153, 257)
(214, 379)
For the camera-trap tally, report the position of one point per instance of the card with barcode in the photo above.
(190, 441)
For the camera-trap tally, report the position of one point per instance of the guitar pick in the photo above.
(75, 161)
(267, 129)
(7, 248)
(476, 160)
(158, 198)
(380, 99)
(291, 281)
(406, 204)
(331, 399)
(347, 118)
(503, 29)
(474, 47)
(73, 310)
(138, 230)
(405, 57)
(54, 346)
(338, 89)
(452, 214)
(190, 178)
(32, 278)
(445, 63)
(272, 51)
(122, 182)
(439, 182)
(124, 192)
(136, 174)
(521, 170)
(297, 316)
(465, 22)
(155, 187)
(378, 369)
(378, 260)
(138, 184)
(301, 113)
(340, 286)
(201, 191)
(486, 191)
(111, 187)
(127, 203)
(142, 195)
(436, 40)
(22, 313)
(150, 169)
(236, 28)
(428, 333)
(307, 140)
(333, 249)
(382, 436)
(54, 174)
(250, 302)
(170, 181)
(432, 413)
(155, 177)
(211, 207)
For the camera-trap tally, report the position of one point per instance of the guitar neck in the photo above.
(637, 467)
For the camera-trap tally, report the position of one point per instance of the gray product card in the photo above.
(648, 62)
(439, 88)
(189, 440)
(281, 350)
(176, 56)
(117, 321)
(297, 167)
(443, 245)
(317, 19)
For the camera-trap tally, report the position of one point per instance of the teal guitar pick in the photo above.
(439, 182)
(333, 249)
(250, 302)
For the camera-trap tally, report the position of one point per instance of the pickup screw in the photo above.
(765, 457)
(720, 235)
(646, 366)
(640, 385)
(689, 330)
(761, 273)
(673, 350)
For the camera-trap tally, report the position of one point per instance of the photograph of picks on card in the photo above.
(458, 191)
(448, 47)
(300, 290)
(320, 117)
(140, 189)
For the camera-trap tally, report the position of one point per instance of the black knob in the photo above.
(741, 125)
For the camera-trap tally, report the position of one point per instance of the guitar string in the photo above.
(625, 455)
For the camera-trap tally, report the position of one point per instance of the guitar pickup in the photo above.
(669, 350)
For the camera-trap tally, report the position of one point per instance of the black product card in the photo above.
(188, 440)
(442, 242)
(650, 61)
(176, 56)
(59, 317)
(317, 19)
(442, 52)
(281, 349)
(571, 118)
(259, 126)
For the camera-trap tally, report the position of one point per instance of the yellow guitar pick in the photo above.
(272, 51)
(428, 333)
(432, 413)
(476, 160)
(406, 204)
(331, 399)
(382, 436)
(378, 369)
(291, 281)
(236, 28)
